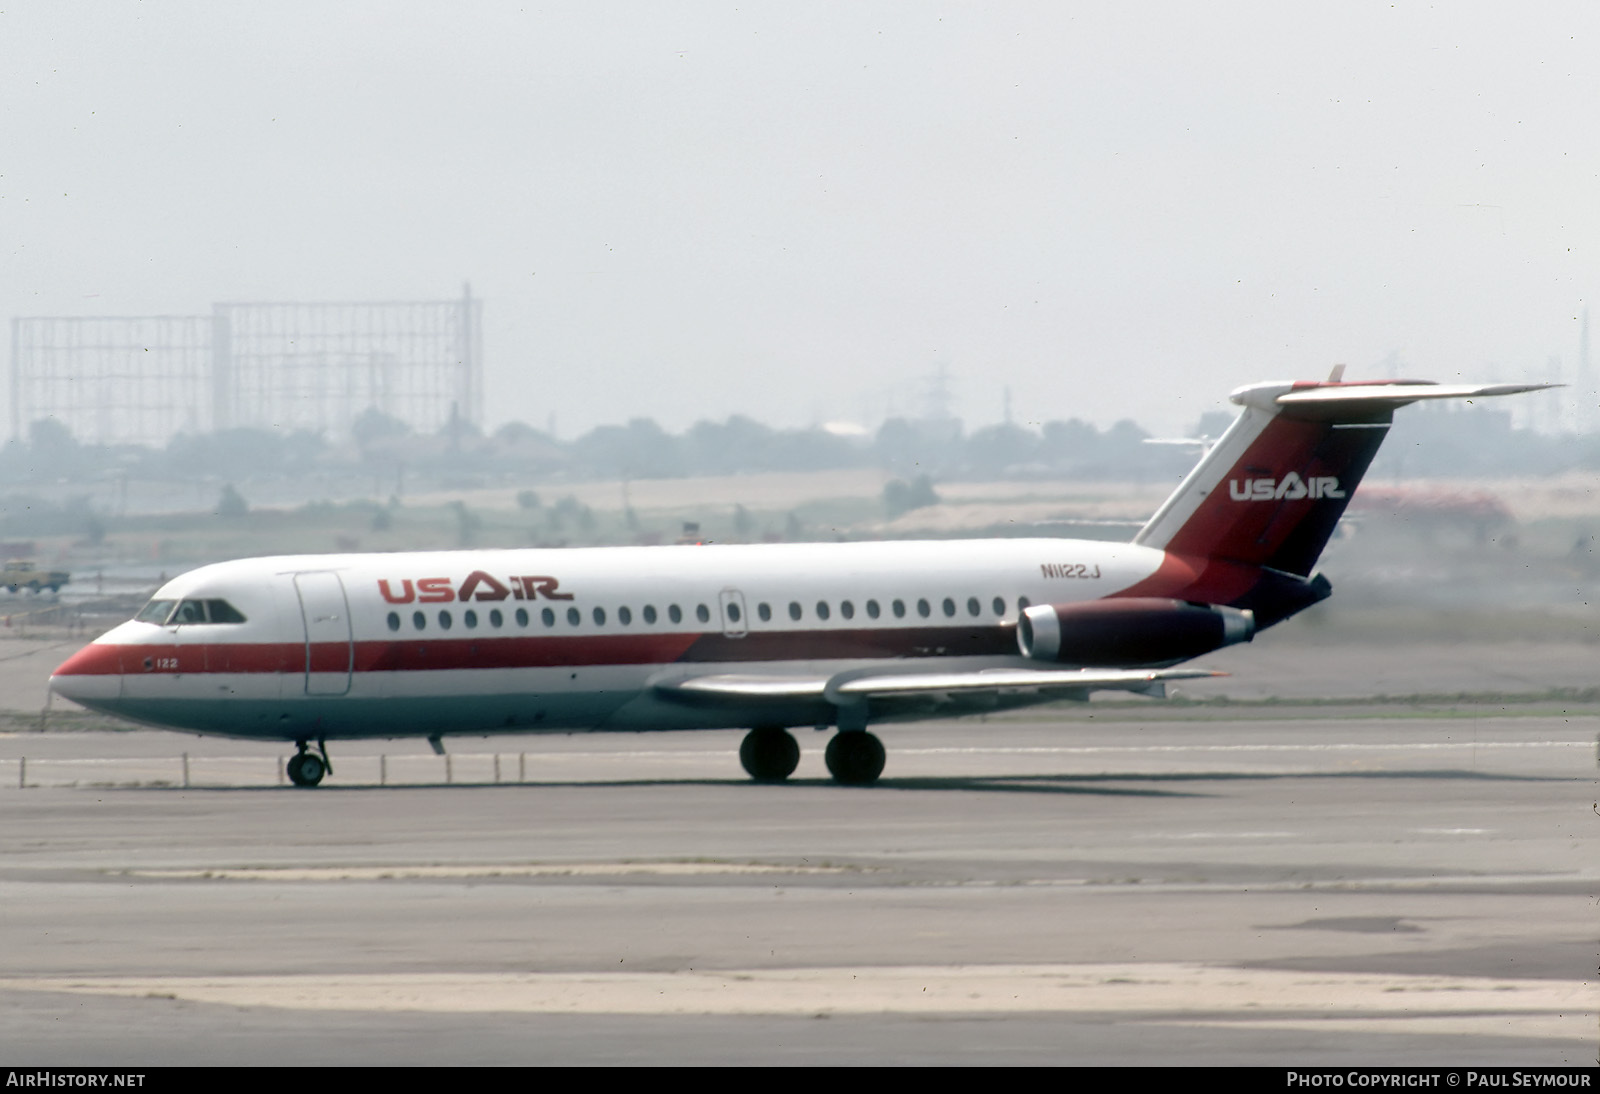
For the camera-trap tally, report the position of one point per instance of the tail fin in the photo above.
(1271, 491)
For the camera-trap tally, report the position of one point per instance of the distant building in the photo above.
(318, 366)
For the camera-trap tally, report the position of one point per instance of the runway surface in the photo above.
(1125, 888)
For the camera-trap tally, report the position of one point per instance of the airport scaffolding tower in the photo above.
(313, 366)
(321, 366)
(112, 379)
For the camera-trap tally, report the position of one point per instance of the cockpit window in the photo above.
(156, 611)
(178, 613)
(220, 611)
(189, 611)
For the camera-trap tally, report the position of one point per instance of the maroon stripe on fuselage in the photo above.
(541, 651)
(1189, 577)
(863, 644)
(1273, 596)
(95, 659)
(532, 652)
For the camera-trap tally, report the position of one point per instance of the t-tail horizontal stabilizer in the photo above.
(1271, 491)
(1246, 526)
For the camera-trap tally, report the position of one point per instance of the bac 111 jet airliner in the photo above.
(761, 638)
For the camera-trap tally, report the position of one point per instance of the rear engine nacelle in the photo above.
(1131, 632)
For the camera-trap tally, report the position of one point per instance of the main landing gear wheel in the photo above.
(305, 769)
(855, 757)
(770, 755)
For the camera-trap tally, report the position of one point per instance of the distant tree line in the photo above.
(1473, 441)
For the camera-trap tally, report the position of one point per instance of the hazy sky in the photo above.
(798, 211)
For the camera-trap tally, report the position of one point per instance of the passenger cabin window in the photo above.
(394, 621)
(702, 613)
(625, 616)
(872, 608)
(765, 612)
(675, 613)
(847, 609)
(649, 613)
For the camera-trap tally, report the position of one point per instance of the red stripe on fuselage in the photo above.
(95, 659)
(520, 652)
(1186, 577)
(540, 651)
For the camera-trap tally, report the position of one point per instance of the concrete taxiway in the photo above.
(1329, 887)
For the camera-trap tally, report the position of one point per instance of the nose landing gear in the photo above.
(306, 768)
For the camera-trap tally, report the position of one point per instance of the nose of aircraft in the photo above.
(91, 675)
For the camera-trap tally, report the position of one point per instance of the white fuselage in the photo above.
(344, 646)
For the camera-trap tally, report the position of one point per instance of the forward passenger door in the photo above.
(330, 644)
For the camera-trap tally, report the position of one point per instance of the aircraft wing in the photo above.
(883, 684)
(745, 686)
(851, 687)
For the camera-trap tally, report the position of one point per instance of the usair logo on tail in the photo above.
(1289, 488)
